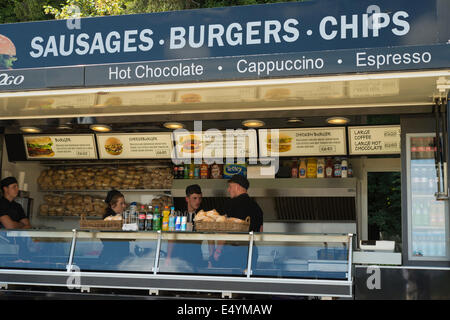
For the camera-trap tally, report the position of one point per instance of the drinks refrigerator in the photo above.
(428, 218)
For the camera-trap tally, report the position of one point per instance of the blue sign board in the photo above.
(251, 42)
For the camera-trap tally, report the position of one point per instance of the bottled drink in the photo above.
(321, 168)
(311, 168)
(142, 218)
(204, 174)
(197, 171)
(344, 169)
(186, 171)
(156, 219)
(350, 170)
(133, 213)
(191, 171)
(126, 216)
(149, 219)
(165, 219)
(175, 172)
(183, 222)
(337, 169)
(415, 179)
(294, 169)
(413, 148)
(178, 221)
(180, 172)
(329, 168)
(172, 219)
(423, 180)
(302, 169)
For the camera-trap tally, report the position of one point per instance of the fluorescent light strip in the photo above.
(229, 84)
(259, 109)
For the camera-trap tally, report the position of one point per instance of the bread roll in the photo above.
(221, 219)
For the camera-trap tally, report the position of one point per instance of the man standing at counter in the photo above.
(240, 206)
(12, 215)
(193, 200)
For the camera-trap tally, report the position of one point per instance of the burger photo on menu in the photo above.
(113, 146)
(191, 143)
(39, 147)
(282, 143)
(7, 53)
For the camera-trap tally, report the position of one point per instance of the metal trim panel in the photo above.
(182, 283)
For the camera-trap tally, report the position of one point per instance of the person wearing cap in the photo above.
(12, 215)
(240, 206)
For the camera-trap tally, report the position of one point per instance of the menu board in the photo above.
(302, 142)
(216, 144)
(374, 140)
(60, 146)
(153, 145)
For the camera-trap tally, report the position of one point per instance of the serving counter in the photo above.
(254, 263)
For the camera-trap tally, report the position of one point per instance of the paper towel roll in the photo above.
(25, 187)
(21, 179)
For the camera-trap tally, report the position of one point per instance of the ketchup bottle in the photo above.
(329, 168)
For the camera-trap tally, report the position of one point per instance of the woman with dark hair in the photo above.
(114, 251)
(116, 203)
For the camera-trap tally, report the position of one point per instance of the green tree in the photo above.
(26, 10)
(384, 191)
(87, 8)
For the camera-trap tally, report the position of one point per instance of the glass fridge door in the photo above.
(427, 217)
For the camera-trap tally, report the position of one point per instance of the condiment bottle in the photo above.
(311, 168)
(344, 168)
(337, 168)
(320, 168)
(204, 171)
(302, 169)
(329, 168)
(294, 170)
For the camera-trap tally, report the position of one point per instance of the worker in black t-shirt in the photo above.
(240, 205)
(12, 215)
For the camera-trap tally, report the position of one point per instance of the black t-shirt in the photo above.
(241, 207)
(12, 209)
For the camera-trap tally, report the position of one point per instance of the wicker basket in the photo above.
(108, 225)
(223, 226)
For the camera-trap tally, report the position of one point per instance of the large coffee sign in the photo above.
(374, 140)
(153, 145)
(216, 144)
(302, 142)
(60, 146)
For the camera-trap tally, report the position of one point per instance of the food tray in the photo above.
(223, 226)
(109, 225)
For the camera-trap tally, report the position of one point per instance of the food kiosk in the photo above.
(295, 67)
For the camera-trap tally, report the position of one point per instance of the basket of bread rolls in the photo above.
(110, 223)
(214, 221)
